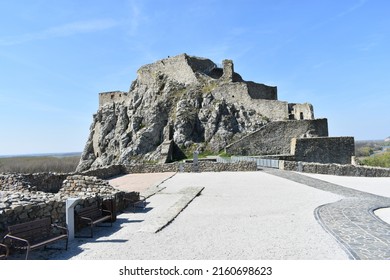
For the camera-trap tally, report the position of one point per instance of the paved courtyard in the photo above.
(268, 214)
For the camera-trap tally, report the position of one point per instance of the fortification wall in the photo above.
(261, 91)
(334, 169)
(275, 137)
(177, 68)
(203, 166)
(238, 92)
(301, 111)
(274, 110)
(44, 182)
(198, 64)
(324, 149)
(112, 97)
(105, 172)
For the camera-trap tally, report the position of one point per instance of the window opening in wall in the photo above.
(112, 96)
(301, 115)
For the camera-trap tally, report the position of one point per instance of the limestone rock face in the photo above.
(186, 100)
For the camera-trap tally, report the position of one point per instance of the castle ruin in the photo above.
(184, 103)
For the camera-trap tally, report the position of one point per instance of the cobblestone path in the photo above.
(350, 220)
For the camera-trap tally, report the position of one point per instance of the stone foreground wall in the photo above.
(335, 169)
(324, 149)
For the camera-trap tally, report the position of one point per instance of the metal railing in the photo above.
(260, 162)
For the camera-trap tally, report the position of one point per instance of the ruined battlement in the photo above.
(192, 71)
(112, 97)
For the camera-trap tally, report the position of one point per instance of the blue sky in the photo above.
(56, 56)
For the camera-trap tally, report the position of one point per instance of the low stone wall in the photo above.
(335, 169)
(18, 207)
(23, 204)
(203, 166)
(45, 182)
(105, 172)
(15, 182)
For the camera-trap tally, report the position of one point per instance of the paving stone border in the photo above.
(350, 220)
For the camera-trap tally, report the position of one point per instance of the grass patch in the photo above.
(209, 87)
(224, 154)
(381, 160)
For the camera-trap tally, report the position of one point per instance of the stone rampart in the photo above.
(261, 91)
(179, 68)
(335, 169)
(273, 110)
(203, 166)
(45, 182)
(275, 137)
(303, 111)
(324, 149)
(105, 172)
(112, 97)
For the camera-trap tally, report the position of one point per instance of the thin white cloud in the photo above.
(371, 42)
(357, 5)
(65, 30)
(135, 18)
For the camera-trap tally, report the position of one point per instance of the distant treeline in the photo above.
(367, 148)
(381, 160)
(34, 164)
(373, 153)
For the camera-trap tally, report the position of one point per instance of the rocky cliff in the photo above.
(177, 105)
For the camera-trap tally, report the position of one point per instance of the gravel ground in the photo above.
(238, 215)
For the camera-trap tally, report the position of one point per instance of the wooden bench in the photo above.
(4, 251)
(35, 234)
(92, 216)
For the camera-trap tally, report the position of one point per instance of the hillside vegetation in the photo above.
(382, 160)
(373, 153)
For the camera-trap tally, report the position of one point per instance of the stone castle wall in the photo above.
(178, 68)
(204, 166)
(324, 149)
(275, 137)
(261, 91)
(112, 97)
(334, 169)
(301, 111)
(273, 110)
